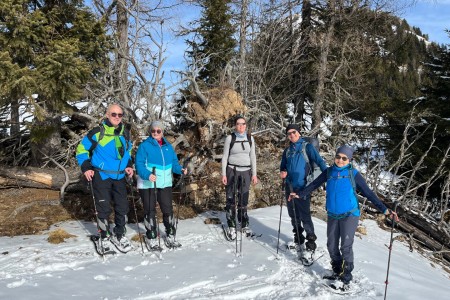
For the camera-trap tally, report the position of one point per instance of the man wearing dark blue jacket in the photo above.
(295, 169)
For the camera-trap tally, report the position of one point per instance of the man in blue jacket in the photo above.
(104, 156)
(295, 169)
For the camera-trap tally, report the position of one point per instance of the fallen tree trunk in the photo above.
(21, 177)
(425, 231)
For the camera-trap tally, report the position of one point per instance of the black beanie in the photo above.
(293, 126)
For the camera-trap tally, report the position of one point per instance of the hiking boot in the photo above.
(245, 224)
(298, 238)
(170, 231)
(310, 242)
(151, 234)
(231, 223)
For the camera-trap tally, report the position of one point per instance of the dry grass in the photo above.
(59, 236)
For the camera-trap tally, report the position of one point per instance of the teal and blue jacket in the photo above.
(150, 154)
(110, 155)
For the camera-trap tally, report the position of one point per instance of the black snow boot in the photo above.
(310, 242)
(231, 222)
(299, 239)
(151, 234)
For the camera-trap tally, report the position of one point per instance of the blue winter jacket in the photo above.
(150, 154)
(341, 197)
(111, 155)
(294, 163)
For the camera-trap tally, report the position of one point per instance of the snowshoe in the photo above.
(152, 245)
(338, 287)
(102, 247)
(309, 257)
(123, 244)
(247, 232)
(331, 276)
(170, 242)
(230, 233)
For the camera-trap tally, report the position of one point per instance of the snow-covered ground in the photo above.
(207, 267)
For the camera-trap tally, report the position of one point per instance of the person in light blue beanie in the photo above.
(342, 182)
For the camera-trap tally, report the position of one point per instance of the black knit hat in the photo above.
(293, 126)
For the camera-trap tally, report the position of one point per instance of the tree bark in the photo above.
(30, 177)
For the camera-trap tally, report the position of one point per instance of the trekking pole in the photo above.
(240, 207)
(96, 217)
(130, 182)
(182, 185)
(156, 213)
(235, 206)
(283, 184)
(390, 249)
(295, 213)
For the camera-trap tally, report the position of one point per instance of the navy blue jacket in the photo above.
(294, 163)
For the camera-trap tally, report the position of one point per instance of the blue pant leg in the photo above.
(333, 236)
(347, 234)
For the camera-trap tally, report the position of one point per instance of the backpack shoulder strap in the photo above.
(351, 174)
(99, 129)
(305, 155)
(233, 140)
(249, 138)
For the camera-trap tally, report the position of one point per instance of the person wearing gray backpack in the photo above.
(295, 168)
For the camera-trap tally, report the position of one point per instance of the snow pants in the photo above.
(340, 237)
(164, 198)
(110, 192)
(243, 180)
(301, 217)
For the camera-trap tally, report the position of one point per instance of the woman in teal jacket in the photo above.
(156, 160)
(343, 211)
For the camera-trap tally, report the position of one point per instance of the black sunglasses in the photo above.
(158, 131)
(292, 132)
(116, 115)
(344, 158)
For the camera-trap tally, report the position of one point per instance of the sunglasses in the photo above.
(158, 131)
(344, 158)
(116, 115)
(292, 132)
(240, 124)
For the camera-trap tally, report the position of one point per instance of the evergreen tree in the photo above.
(49, 50)
(216, 45)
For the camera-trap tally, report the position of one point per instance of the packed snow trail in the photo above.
(206, 266)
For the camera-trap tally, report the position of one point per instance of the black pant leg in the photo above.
(165, 202)
(121, 206)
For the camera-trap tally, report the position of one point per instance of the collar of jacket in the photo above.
(118, 130)
(298, 144)
(349, 166)
(155, 142)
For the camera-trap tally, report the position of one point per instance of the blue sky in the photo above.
(432, 17)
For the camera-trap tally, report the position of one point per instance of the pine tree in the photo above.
(49, 50)
(216, 42)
